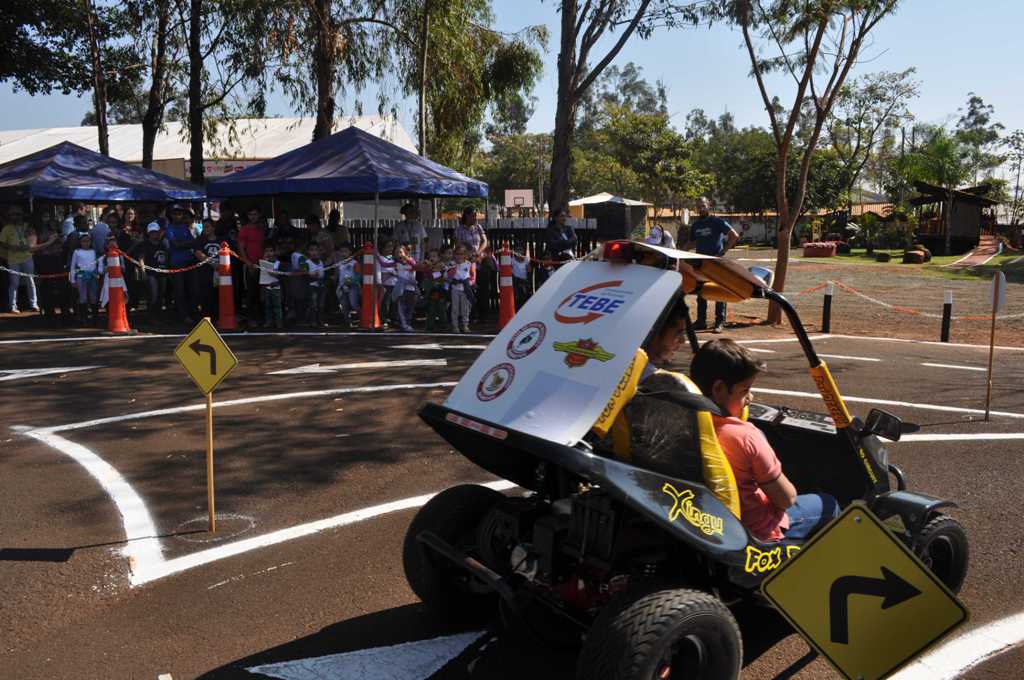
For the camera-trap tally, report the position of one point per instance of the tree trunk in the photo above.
(99, 81)
(949, 221)
(324, 68)
(195, 92)
(424, 46)
(154, 116)
(565, 112)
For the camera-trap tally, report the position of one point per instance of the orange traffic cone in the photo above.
(117, 315)
(369, 315)
(507, 297)
(225, 291)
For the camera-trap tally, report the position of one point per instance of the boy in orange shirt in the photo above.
(769, 505)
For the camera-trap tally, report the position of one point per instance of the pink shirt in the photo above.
(753, 463)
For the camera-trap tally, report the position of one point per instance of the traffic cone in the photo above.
(507, 306)
(225, 291)
(369, 315)
(117, 316)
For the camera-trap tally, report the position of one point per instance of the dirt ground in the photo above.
(917, 295)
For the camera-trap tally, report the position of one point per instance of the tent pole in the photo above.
(376, 262)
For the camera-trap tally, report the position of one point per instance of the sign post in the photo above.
(207, 360)
(861, 598)
(998, 292)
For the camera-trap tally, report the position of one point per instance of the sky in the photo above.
(956, 48)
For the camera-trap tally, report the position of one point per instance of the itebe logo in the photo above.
(592, 302)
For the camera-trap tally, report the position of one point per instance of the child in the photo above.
(461, 277)
(404, 293)
(769, 505)
(153, 252)
(206, 246)
(520, 279)
(84, 273)
(388, 278)
(433, 291)
(313, 265)
(270, 286)
(349, 283)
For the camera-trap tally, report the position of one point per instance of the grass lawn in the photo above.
(937, 265)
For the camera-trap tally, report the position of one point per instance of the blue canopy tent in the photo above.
(68, 172)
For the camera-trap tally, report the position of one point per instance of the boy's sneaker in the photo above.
(719, 328)
(465, 329)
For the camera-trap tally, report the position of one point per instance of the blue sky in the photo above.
(956, 47)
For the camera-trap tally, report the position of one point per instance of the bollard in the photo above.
(947, 314)
(826, 310)
(507, 295)
(225, 291)
(369, 315)
(117, 316)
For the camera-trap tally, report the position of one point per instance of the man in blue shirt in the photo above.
(182, 243)
(68, 226)
(712, 236)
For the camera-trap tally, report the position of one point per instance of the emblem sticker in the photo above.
(581, 351)
(526, 340)
(593, 302)
(495, 382)
(682, 506)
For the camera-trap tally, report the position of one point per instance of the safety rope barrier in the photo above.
(55, 275)
(159, 270)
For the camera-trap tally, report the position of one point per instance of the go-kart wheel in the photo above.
(942, 546)
(447, 589)
(663, 634)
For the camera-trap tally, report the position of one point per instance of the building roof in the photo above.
(931, 193)
(253, 138)
(605, 197)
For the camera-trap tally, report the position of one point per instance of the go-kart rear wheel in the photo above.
(942, 546)
(447, 589)
(663, 634)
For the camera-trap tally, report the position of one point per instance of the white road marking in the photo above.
(434, 345)
(914, 342)
(761, 349)
(847, 358)
(163, 568)
(887, 402)
(241, 402)
(407, 661)
(317, 368)
(962, 368)
(961, 437)
(142, 547)
(153, 336)
(20, 373)
(242, 577)
(790, 339)
(962, 653)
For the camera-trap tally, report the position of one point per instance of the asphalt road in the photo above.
(295, 572)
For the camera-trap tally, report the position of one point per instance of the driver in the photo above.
(769, 505)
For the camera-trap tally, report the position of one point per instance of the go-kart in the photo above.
(629, 538)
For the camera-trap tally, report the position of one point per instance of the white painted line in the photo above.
(789, 339)
(916, 342)
(962, 653)
(241, 402)
(961, 368)
(887, 402)
(999, 251)
(164, 676)
(162, 568)
(847, 358)
(20, 373)
(1016, 260)
(407, 661)
(435, 345)
(962, 437)
(317, 368)
(327, 334)
(142, 547)
(762, 350)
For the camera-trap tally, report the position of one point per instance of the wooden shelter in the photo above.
(967, 212)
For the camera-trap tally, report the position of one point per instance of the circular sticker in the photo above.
(525, 340)
(495, 382)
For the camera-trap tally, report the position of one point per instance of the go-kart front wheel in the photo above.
(663, 634)
(447, 589)
(942, 546)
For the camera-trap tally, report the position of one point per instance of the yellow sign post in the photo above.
(207, 360)
(862, 599)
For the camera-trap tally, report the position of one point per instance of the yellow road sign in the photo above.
(205, 356)
(862, 599)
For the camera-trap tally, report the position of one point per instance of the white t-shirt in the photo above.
(83, 260)
(519, 267)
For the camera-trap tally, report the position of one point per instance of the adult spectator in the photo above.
(49, 259)
(660, 236)
(338, 231)
(68, 226)
(251, 239)
(182, 242)
(17, 243)
(410, 232)
(712, 236)
(101, 231)
(559, 237)
(130, 222)
(470, 233)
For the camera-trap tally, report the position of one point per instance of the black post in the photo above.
(826, 311)
(947, 314)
